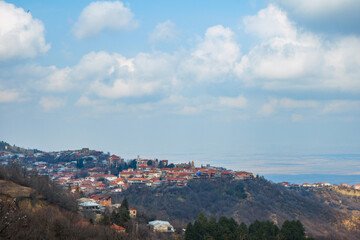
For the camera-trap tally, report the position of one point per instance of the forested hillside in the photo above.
(246, 201)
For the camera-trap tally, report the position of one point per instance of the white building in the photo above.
(161, 226)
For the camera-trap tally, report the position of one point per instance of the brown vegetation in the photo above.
(264, 202)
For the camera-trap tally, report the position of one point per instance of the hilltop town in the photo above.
(95, 172)
(100, 181)
(91, 171)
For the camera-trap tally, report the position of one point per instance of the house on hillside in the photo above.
(118, 228)
(102, 200)
(114, 160)
(90, 206)
(285, 184)
(161, 226)
(137, 181)
(132, 212)
(357, 187)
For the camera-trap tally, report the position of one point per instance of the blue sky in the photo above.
(184, 80)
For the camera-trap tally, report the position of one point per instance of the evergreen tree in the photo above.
(189, 233)
(229, 228)
(80, 163)
(263, 230)
(132, 164)
(292, 230)
(105, 219)
(243, 231)
(124, 214)
(161, 164)
(121, 216)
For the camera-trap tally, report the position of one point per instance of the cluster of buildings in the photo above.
(96, 176)
(318, 185)
(93, 172)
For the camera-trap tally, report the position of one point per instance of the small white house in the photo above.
(161, 226)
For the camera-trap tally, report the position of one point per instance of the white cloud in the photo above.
(268, 108)
(296, 117)
(165, 31)
(103, 15)
(270, 22)
(114, 76)
(120, 89)
(318, 8)
(50, 103)
(84, 101)
(57, 79)
(214, 56)
(7, 95)
(237, 102)
(291, 103)
(286, 103)
(341, 106)
(284, 53)
(190, 110)
(341, 69)
(37, 77)
(21, 36)
(289, 58)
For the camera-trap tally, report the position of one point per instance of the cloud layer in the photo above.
(211, 75)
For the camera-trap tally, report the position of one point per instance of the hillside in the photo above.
(12, 149)
(33, 207)
(262, 201)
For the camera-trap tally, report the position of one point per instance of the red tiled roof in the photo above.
(102, 175)
(117, 227)
(115, 157)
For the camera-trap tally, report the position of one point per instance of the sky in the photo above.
(232, 83)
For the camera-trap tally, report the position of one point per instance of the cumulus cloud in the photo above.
(114, 76)
(283, 54)
(237, 102)
(268, 108)
(57, 79)
(319, 7)
(270, 22)
(37, 77)
(286, 103)
(85, 101)
(325, 15)
(50, 103)
(8, 95)
(341, 65)
(103, 15)
(165, 31)
(21, 36)
(290, 58)
(341, 106)
(214, 56)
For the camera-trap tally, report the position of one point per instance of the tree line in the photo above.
(227, 228)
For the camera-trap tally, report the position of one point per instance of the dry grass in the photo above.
(14, 190)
